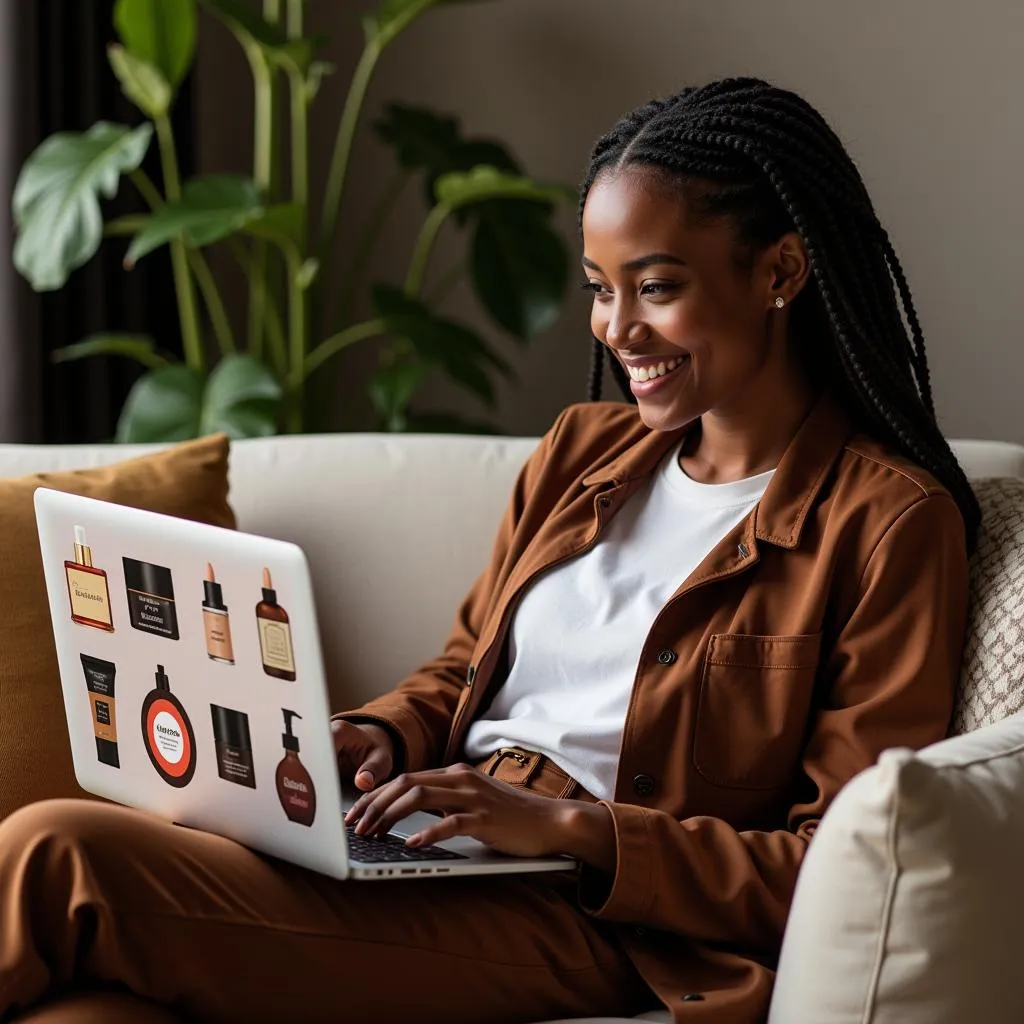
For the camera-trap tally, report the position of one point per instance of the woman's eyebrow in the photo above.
(642, 262)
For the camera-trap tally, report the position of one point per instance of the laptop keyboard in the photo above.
(392, 848)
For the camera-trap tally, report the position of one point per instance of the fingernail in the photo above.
(414, 840)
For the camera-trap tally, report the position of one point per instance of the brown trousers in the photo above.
(109, 914)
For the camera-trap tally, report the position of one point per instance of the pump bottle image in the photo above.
(275, 634)
(294, 786)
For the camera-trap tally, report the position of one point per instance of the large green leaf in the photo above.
(139, 347)
(253, 29)
(143, 83)
(520, 267)
(210, 209)
(391, 388)
(160, 32)
(454, 349)
(484, 183)
(282, 223)
(56, 199)
(426, 140)
(241, 397)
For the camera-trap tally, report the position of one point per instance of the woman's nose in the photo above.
(624, 329)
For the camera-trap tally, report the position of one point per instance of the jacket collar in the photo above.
(801, 472)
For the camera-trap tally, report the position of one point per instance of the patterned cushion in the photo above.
(992, 678)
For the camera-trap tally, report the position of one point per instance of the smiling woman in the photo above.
(706, 610)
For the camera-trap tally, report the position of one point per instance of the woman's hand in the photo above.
(505, 818)
(365, 750)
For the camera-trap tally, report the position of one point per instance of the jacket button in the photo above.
(469, 675)
(640, 931)
(604, 501)
(643, 785)
(693, 997)
(667, 656)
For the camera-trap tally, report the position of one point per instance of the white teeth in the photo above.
(642, 373)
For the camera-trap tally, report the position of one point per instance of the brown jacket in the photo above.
(825, 628)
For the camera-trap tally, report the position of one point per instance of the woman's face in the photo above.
(690, 324)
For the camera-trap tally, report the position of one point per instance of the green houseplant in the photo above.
(254, 381)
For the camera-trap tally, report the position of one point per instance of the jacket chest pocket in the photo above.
(755, 695)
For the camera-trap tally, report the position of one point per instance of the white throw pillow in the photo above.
(909, 908)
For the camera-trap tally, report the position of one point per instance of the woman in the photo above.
(702, 616)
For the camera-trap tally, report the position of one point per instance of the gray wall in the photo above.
(926, 94)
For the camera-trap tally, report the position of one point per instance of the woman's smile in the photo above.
(646, 379)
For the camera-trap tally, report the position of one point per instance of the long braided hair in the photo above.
(767, 160)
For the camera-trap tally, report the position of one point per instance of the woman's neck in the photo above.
(751, 437)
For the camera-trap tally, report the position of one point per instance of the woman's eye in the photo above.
(659, 288)
(595, 287)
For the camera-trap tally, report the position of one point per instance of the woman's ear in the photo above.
(788, 268)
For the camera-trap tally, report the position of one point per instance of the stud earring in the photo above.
(779, 302)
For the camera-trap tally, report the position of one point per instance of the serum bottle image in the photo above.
(88, 591)
(294, 786)
(216, 624)
(275, 634)
(167, 734)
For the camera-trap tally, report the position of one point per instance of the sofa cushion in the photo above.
(189, 481)
(992, 679)
(909, 904)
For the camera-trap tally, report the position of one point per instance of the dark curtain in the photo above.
(63, 82)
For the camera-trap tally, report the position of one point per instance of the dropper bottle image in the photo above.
(88, 591)
(275, 633)
(294, 786)
(216, 623)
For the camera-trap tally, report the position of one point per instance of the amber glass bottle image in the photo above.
(275, 634)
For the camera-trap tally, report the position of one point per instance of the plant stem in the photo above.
(144, 183)
(263, 175)
(190, 338)
(445, 284)
(299, 115)
(364, 247)
(334, 344)
(296, 342)
(342, 154)
(272, 11)
(274, 326)
(214, 303)
(298, 296)
(424, 245)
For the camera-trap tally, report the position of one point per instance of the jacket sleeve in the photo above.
(703, 879)
(419, 711)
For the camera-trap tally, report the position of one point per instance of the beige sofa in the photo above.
(395, 527)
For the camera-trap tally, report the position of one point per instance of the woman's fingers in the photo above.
(447, 828)
(364, 750)
(380, 817)
(369, 808)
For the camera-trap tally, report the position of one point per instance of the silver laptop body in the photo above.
(194, 688)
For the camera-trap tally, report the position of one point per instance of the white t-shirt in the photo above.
(579, 629)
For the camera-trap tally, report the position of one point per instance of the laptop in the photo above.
(194, 689)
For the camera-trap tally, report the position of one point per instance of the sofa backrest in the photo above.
(396, 527)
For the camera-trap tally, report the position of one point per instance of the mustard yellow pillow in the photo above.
(190, 481)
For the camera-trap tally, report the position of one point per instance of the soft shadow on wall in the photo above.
(921, 96)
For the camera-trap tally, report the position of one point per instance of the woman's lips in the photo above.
(643, 388)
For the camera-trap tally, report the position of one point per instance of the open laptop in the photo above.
(194, 689)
